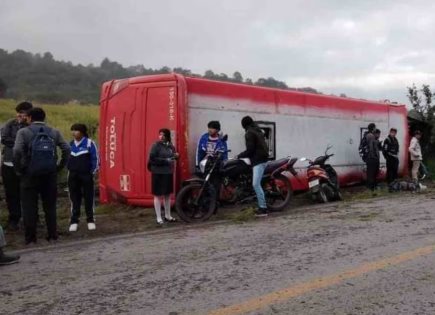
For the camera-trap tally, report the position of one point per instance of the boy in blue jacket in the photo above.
(82, 166)
(211, 142)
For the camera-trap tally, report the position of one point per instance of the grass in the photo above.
(60, 117)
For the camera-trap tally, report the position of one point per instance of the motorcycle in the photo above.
(322, 179)
(231, 182)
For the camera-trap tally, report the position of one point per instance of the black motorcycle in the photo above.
(230, 182)
(323, 179)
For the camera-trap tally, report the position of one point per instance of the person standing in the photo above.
(6, 259)
(416, 154)
(390, 150)
(82, 166)
(258, 152)
(363, 148)
(211, 142)
(373, 163)
(35, 160)
(11, 181)
(161, 165)
(208, 144)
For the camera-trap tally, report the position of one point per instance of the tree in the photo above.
(3, 88)
(422, 105)
(237, 77)
(42, 78)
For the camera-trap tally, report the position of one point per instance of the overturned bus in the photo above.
(295, 123)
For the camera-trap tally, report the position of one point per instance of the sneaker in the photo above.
(261, 212)
(73, 227)
(423, 187)
(92, 226)
(8, 259)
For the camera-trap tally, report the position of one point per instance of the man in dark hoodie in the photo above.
(258, 153)
(373, 163)
(11, 181)
(390, 149)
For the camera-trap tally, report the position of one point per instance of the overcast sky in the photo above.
(368, 49)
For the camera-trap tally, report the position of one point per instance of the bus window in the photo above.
(269, 129)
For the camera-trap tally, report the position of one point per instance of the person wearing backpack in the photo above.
(82, 166)
(363, 147)
(35, 161)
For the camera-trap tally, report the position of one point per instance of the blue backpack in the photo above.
(42, 154)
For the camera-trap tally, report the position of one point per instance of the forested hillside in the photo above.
(42, 78)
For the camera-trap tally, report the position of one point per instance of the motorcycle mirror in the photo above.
(328, 148)
(225, 138)
(303, 159)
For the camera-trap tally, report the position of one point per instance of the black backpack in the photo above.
(42, 153)
(364, 147)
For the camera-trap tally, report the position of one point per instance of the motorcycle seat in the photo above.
(273, 165)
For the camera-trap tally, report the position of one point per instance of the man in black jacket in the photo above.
(11, 181)
(390, 150)
(373, 162)
(258, 153)
(45, 184)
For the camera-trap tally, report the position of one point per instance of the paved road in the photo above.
(373, 257)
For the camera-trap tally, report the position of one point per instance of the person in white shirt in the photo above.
(416, 155)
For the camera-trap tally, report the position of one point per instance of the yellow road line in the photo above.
(319, 283)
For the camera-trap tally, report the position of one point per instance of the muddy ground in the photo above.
(197, 269)
(120, 219)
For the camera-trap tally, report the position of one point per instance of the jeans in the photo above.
(2, 238)
(257, 175)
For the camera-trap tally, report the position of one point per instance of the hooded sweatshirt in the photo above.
(256, 147)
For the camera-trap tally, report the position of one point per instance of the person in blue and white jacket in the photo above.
(211, 142)
(82, 166)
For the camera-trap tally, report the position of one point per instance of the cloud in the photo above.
(370, 48)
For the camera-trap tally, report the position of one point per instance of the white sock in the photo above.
(168, 207)
(158, 208)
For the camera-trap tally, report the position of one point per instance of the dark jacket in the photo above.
(24, 140)
(161, 160)
(390, 148)
(84, 157)
(256, 147)
(8, 136)
(373, 147)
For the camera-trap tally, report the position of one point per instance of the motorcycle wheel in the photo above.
(338, 196)
(321, 196)
(278, 192)
(191, 212)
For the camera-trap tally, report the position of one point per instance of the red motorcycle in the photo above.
(322, 179)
